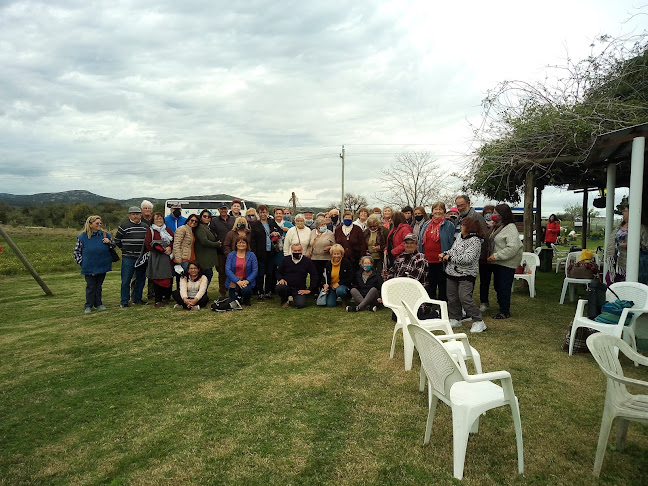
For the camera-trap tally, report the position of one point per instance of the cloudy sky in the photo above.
(256, 98)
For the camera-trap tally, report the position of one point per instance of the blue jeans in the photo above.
(503, 281)
(127, 271)
(331, 298)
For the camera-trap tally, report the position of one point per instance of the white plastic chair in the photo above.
(394, 292)
(619, 403)
(537, 250)
(456, 344)
(532, 263)
(569, 281)
(559, 255)
(468, 396)
(636, 292)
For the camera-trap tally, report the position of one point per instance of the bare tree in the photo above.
(413, 180)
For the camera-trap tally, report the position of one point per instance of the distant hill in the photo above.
(77, 197)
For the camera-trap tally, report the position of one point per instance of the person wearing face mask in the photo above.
(419, 219)
(292, 274)
(437, 236)
(366, 287)
(339, 277)
(452, 215)
(308, 219)
(174, 220)
(220, 225)
(351, 237)
(334, 216)
(287, 215)
(298, 234)
(361, 221)
(321, 241)
(376, 239)
(240, 228)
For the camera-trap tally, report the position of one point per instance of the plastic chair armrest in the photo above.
(493, 375)
(628, 381)
(632, 355)
(447, 337)
(580, 308)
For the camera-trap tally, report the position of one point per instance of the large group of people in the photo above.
(326, 258)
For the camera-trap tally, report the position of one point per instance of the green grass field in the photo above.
(273, 396)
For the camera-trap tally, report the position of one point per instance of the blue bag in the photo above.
(611, 312)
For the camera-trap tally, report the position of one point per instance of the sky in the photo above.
(255, 99)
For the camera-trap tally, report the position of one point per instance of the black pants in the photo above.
(176, 296)
(284, 291)
(503, 281)
(161, 293)
(436, 280)
(93, 289)
(265, 283)
(485, 272)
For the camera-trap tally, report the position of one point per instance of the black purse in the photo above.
(113, 253)
(596, 297)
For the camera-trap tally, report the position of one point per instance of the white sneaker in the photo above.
(177, 306)
(455, 323)
(483, 307)
(478, 326)
(196, 308)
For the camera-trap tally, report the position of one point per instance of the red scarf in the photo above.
(434, 230)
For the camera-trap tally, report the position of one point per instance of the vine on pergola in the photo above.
(548, 128)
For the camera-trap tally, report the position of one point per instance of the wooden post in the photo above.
(538, 216)
(25, 262)
(584, 235)
(528, 211)
(294, 206)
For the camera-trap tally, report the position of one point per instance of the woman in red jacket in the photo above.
(396, 237)
(552, 231)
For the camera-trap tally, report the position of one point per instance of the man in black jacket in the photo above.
(291, 275)
(220, 226)
(262, 235)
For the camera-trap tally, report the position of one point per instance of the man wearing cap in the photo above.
(130, 238)
(220, 225)
(308, 219)
(411, 263)
(175, 219)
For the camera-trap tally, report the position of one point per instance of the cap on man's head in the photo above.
(134, 209)
(411, 236)
(223, 206)
(307, 210)
(175, 206)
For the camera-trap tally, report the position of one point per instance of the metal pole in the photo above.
(609, 214)
(585, 211)
(342, 201)
(634, 225)
(24, 261)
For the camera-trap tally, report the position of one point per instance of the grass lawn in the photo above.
(273, 396)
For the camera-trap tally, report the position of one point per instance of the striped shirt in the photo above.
(130, 238)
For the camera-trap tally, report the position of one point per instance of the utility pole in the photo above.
(342, 202)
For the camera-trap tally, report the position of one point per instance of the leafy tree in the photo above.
(548, 128)
(414, 180)
(352, 201)
(76, 216)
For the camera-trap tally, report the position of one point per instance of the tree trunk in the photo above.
(528, 211)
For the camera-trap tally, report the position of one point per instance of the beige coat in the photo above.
(183, 242)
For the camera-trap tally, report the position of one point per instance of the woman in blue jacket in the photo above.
(92, 252)
(241, 270)
(436, 237)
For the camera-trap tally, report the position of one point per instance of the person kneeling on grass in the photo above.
(339, 275)
(291, 275)
(192, 293)
(462, 265)
(241, 269)
(366, 287)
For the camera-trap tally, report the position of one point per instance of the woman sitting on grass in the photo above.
(192, 294)
(92, 252)
(366, 287)
(241, 269)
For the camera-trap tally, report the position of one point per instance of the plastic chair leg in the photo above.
(517, 423)
(391, 353)
(604, 435)
(572, 336)
(532, 287)
(564, 291)
(460, 431)
(408, 349)
(477, 362)
(622, 432)
(432, 405)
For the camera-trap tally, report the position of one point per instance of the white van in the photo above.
(194, 206)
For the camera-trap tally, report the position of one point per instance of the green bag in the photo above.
(611, 312)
